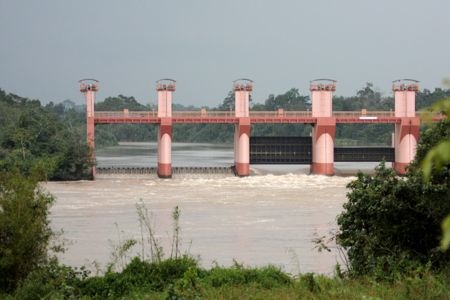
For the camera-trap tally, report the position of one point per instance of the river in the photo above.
(269, 217)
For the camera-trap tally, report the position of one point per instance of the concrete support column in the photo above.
(90, 130)
(242, 89)
(164, 104)
(165, 87)
(88, 87)
(406, 134)
(405, 142)
(323, 146)
(242, 147)
(324, 128)
(165, 148)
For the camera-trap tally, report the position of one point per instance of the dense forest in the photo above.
(49, 141)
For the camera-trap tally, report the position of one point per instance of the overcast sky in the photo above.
(48, 45)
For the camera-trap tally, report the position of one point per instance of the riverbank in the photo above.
(183, 278)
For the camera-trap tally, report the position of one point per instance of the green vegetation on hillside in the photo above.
(46, 141)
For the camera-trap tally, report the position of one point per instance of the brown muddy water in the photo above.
(268, 218)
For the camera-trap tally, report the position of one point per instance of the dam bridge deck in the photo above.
(256, 117)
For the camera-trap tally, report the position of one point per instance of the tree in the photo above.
(368, 96)
(392, 225)
(291, 100)
(427, 98)
(24, 228)
(228, 102)
(49, 138)
(439, 157)
(119, 103)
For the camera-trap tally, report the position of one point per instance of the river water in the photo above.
(269, 217)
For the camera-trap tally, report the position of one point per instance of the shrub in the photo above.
(24, 228)
(138, 275)
(266, 277)
(52, 281)
(310, 282)
(392, 224)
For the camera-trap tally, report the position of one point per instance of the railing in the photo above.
(363, 113)
(203, 113)
(280, 113)
(230, 114)
(253, 114)
(126, 114)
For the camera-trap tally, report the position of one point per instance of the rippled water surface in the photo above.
(256, 220)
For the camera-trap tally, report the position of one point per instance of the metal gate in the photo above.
(280, 150)
(364, 154)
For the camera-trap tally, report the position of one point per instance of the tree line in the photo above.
(46, 141)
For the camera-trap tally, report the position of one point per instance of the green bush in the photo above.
(52, 281)
(24, 228)
(138, 275)
(310, 282)
(266, 277)
(393, 225)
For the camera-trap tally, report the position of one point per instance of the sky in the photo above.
(46, 46)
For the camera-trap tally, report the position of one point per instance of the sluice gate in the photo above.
(298, 150)
(202, 170)
(125, 170)
(364, 154)
(153, 170)
(280, 150)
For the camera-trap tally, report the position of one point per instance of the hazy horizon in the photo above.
(48, 45)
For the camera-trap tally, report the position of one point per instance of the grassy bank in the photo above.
(183, 278)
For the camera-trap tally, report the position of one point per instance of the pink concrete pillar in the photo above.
(165, 148)
(324, 128)
(405, 142)
(242, 89)
(164, 104)
(165, 88)
(88, 87)
(242, 147)
(406, 134)
(242, 97)
(323, 146)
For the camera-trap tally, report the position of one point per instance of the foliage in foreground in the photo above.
(183, 278)
(24, 228)
(438, 157)
(392, 225)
